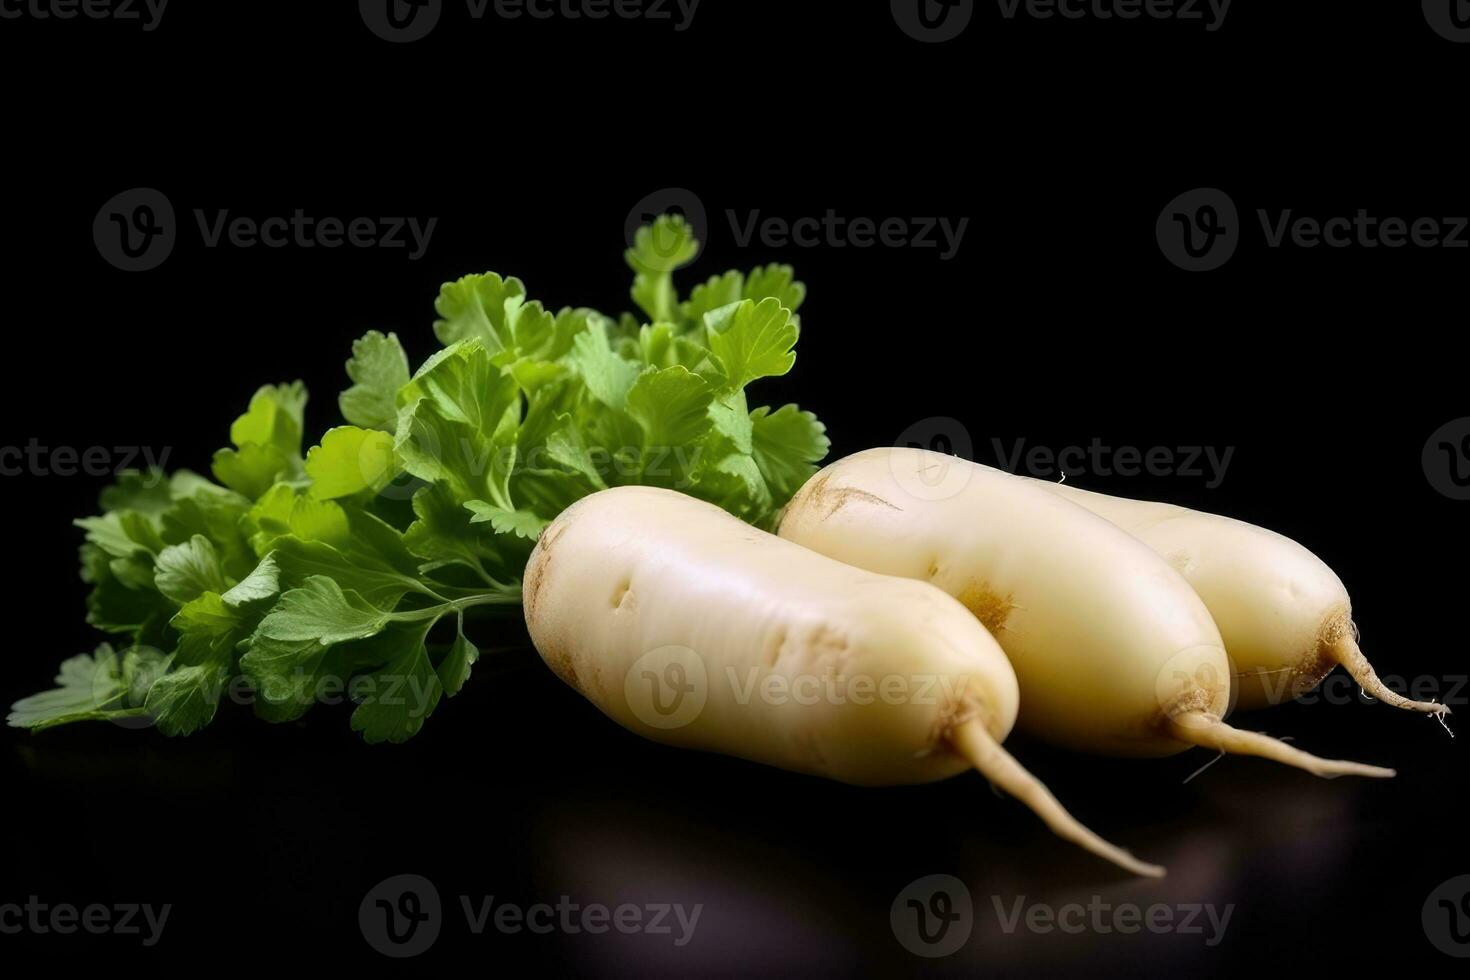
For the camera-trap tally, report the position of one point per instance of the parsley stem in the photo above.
(458, 606)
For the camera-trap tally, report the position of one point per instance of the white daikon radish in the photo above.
(1114, 652)
(689, 627)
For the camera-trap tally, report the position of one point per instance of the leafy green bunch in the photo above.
(301, 575)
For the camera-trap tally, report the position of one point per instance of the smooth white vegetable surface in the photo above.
(1284, 615)
(1114, 651)
(692, 628)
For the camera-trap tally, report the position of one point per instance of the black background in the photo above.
(1059, 321)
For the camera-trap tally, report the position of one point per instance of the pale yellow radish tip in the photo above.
(997, 765)
(1209, 731)
(1346, 652)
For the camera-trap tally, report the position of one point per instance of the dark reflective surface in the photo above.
(535, 798)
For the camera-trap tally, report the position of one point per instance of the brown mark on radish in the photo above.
(535, 575)
(988, 605)
(775, 641)
(829, 499)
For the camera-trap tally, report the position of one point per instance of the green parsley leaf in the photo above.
(658, 251)
(184, 571)
(608, 376)
(752, 340)
(454, 670)
(185, 700)
(349, 461)
(443, 534)
(521, 522)
(398, 697)
(89, 687)
(378, 368)
(267, 441)
(672, 405)
(788, 445)
(494, 311)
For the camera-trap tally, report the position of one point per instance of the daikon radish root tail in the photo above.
(997, 765)
(1207, 730)
(1346, 652)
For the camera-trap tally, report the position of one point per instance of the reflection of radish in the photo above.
(1285, 617)
(1114, 652)
(689, 627)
